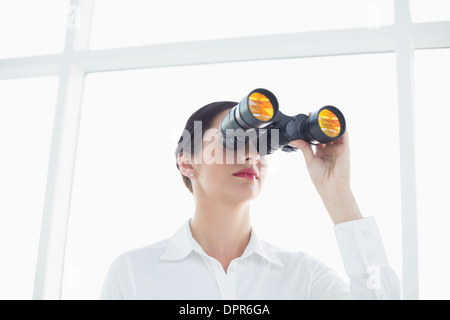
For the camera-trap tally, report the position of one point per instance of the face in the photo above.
(235, 177)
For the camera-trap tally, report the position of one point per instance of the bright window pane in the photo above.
(127, 192)
(432, 78)
(30, 27)
(120, 23)
(26, 121)
(429, 10)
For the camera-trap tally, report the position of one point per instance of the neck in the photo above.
(222, 229)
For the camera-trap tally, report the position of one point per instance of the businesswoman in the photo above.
(217, 255)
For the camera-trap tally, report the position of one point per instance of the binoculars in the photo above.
(257, 119)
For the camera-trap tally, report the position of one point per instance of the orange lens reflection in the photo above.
(329, 123)
(260, 106)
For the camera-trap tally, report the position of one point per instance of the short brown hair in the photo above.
(206, 115)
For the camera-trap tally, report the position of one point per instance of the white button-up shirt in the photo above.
(178, 268)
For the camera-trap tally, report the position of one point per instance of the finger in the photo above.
(320, 146)
(307, 151)
(344, 138)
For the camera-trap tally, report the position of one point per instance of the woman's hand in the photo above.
(329, 169)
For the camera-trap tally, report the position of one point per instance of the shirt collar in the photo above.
(256, 246)
(181, 244)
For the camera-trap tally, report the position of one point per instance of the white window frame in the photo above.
(71, 66)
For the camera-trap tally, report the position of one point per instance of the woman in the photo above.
(217, 255)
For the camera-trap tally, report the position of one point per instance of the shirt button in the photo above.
(232, 268)
(369, 256)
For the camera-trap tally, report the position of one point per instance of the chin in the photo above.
(246, 193)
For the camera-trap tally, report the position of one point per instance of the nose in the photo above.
(251, 155)
(254, 159)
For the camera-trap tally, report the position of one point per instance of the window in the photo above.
(121, 23)
(121, 64)
(29, 27)
(430, 10)
(26, 122)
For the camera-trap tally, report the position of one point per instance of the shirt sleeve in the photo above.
(118, 281)
(365, 260)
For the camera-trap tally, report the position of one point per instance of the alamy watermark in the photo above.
(74, 18)
(374, 280)
(373, 17)
(235, 147)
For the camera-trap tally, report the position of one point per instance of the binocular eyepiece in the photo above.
(257, 119)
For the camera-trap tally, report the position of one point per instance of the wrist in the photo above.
(340, 204)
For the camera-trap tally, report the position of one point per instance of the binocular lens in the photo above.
(329, 123)
(260, 106)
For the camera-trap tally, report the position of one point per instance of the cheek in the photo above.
(215, 153)
(213, 174)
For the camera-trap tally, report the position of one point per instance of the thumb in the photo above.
(307, 151)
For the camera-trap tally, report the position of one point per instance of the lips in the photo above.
(248, 173)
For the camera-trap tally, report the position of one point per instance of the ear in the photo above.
(185, 165)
